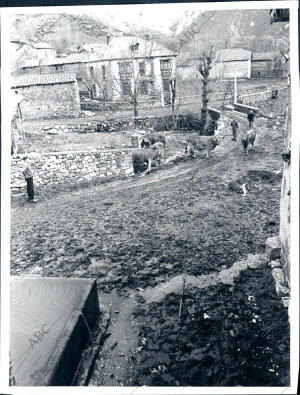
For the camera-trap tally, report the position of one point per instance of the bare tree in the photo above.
(88, 81)
(96, 83)
(172, 83)
(131, 84)
(206, 62)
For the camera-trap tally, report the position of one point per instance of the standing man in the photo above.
(251, 119)
(27, 173)
(234, 127)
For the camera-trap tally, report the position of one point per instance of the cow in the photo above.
(140, 156)
(248, 139)
(201, 143)
(151, 139)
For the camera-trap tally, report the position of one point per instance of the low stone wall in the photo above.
(61, 167)
(164, 123)
(81, 126)
(245, 108)
(272, 99)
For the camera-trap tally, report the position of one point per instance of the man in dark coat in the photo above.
(234, 127)
(251, 119)
(27, 173)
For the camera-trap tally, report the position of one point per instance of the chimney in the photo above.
(147, 36)
(108, 39)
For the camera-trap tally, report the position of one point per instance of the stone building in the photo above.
(110, 70)
(48, 96)
(226, 63)
(268, 64)
(230, 62)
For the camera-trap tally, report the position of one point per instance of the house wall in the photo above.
(268, 68)
(50, 101)
(261, 68)
(243, 70)
(61, 167)
(228, 69)
(112, 71)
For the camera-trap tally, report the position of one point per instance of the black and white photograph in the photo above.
(150, 185)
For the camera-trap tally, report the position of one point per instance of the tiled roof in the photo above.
(118, 48)
(232, 54)
(263, 55)
(42, 79)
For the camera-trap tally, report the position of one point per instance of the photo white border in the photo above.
(5, 211)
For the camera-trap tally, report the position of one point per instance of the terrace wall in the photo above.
(61, 167)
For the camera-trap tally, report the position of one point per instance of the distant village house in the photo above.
(107, 71)
(268, 64)
(227, 64)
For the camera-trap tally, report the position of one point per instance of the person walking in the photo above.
(234, 127)
(251, 119)
(27, 173)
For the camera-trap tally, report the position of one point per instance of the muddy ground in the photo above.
(190, 218)
(225, 336)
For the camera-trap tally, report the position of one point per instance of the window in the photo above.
(92, 71)
(125, 68)
(151, 87)
(135, 47)
(126, 72)
(103, 72)
(166, 67)
(143, 88)
(126, 87)
(94, 90)
(142, 68)
(152, 68)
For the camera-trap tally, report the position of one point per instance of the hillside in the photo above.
(233, 28)
(249, 29)
(54, 28)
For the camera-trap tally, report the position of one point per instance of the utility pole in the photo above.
(221, 73)
(235, 85)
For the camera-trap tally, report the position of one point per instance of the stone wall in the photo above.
(83, 126)
(285, 215)
(271, 99)
(50, 101)
(61, 167)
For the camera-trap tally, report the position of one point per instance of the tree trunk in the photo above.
(135, 109)
(204, 69)
(173, 98)
(203, 121)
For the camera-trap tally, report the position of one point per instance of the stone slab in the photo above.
(50, 322)
(273, 248)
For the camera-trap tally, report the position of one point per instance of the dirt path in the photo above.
(147, 217)
(114, 364)
(189, 220)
